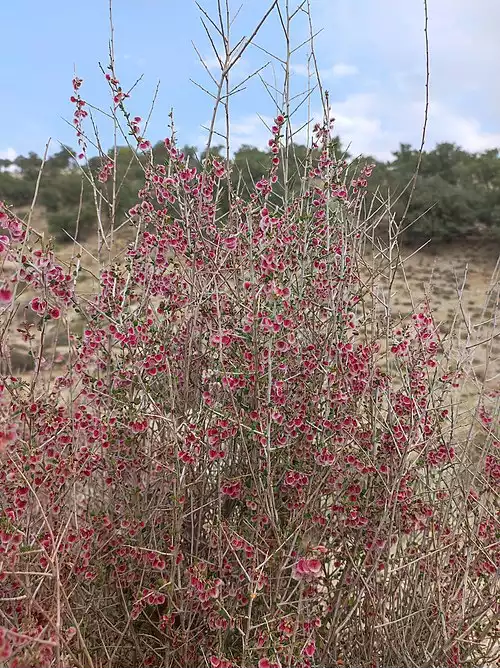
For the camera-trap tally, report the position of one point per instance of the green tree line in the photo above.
(457, 193)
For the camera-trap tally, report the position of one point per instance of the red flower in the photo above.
(307, 569)
(55, 313)
(6, 295)
(230, 242)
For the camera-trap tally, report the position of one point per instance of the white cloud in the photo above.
(211, 63)
(384, 105)
(301, 69)
(249, 129)
(342, 70)
(375, 125)
(338, 70)
(133, 59)
(8, 154)
(361, 128)
(445, 124)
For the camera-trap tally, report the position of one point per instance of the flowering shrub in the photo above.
(232, 470)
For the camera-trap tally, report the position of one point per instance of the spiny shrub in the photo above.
(235, 468)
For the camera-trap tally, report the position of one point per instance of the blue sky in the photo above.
(371, 55)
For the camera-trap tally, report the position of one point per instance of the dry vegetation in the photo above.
(460, 281)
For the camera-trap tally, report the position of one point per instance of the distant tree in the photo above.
(445, 160)
(29, 166)
(63, 190)
(249, 165)
(457, 193)
(78, 223)
(15, 190)
(405, 161)
(215, 151)
(61, 160)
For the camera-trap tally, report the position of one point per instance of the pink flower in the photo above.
(38, 305)
(314, 566)
(310, 649)
(301, 567)
(264, 663)
(55, 313)
(307, 569)
(4, 243)
(7, 435)
(224, 338)
(230, 243)
(320, 548)
(139, 426)
(6, 295)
